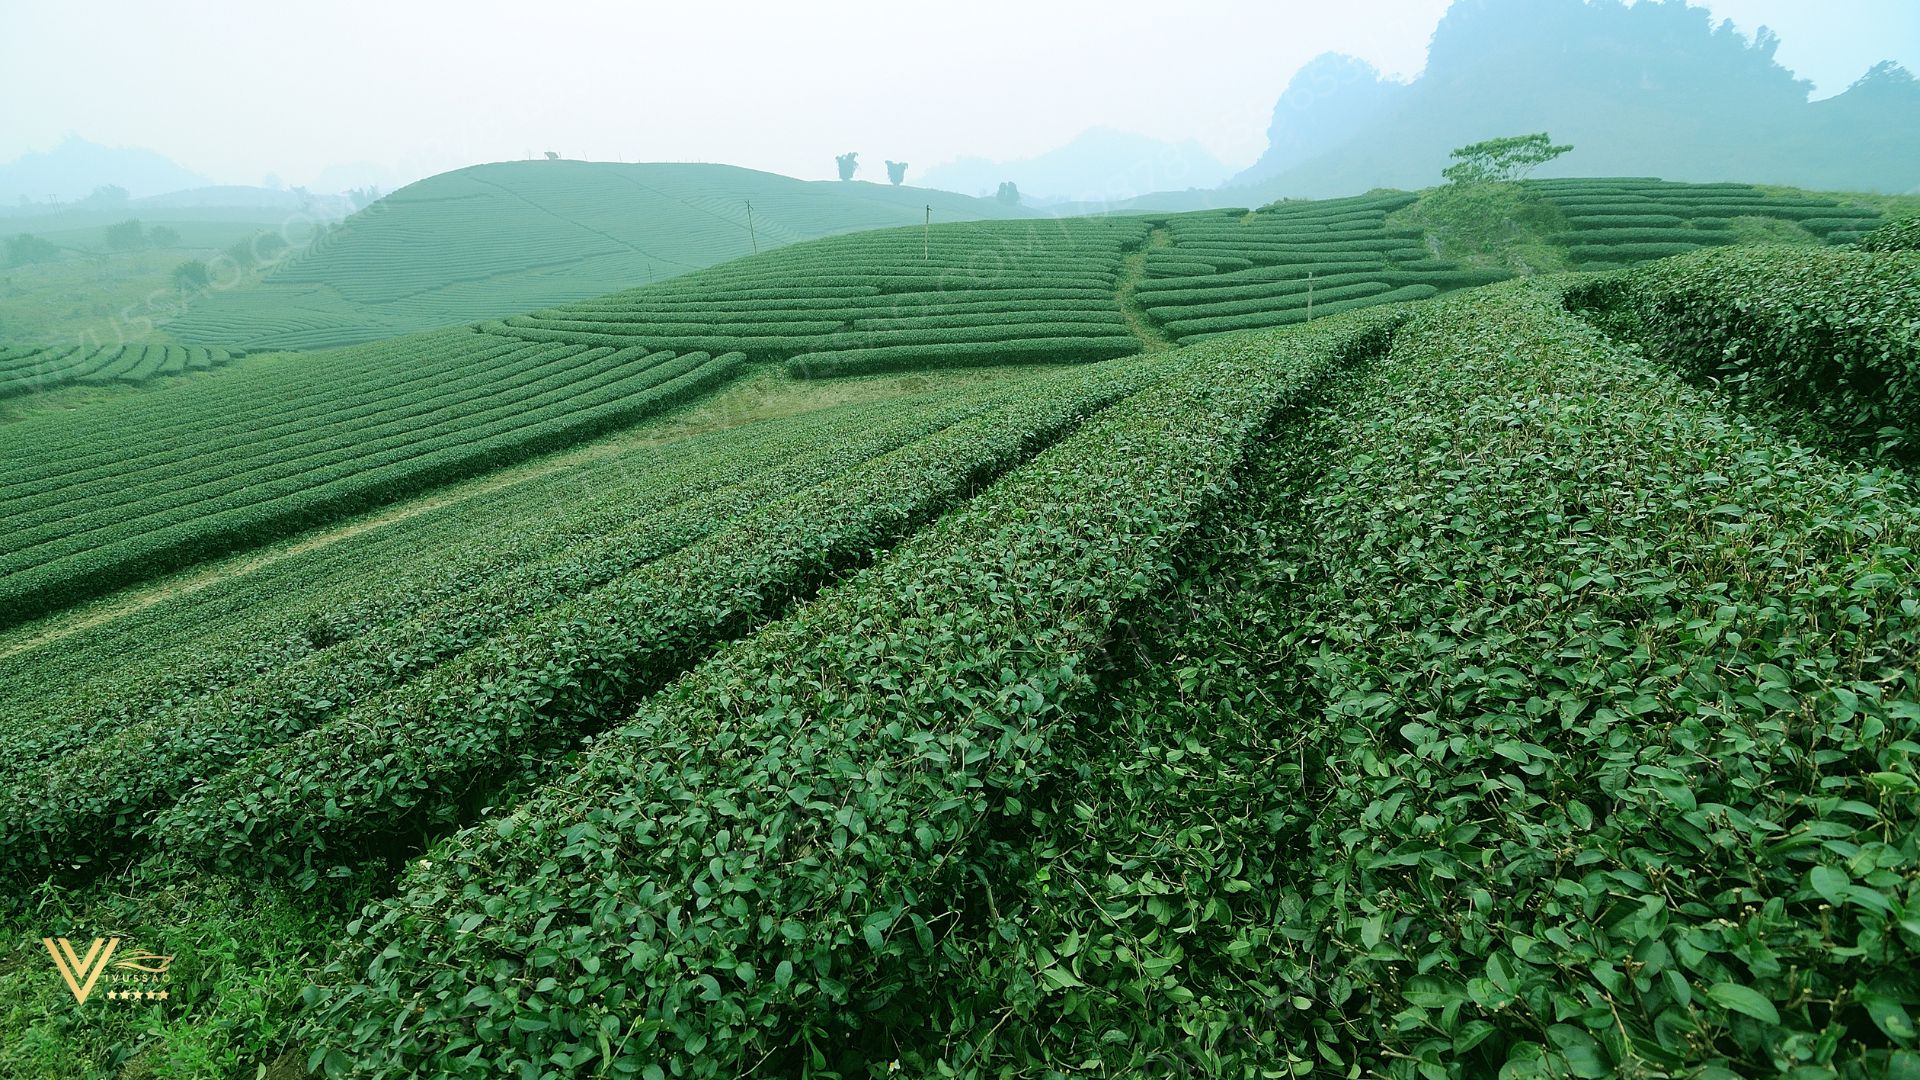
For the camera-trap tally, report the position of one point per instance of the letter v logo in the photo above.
(81, 972)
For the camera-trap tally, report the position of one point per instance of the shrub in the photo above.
(1901, 235)
(1829, 337)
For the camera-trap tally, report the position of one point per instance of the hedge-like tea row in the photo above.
(1016, 311)
(1072, 346)
(959, 285)
(1243, 299)
(65, 506)
(1610, 237)
(419, 754)
(1622, 222)
(93, 786)
(1346, 245)
(1201, 329)
(253, 499)
(28, 369)
(1901, 235)
(367, 593)
(773, 847)
(1506, 767)
(1273, 299)
(1830, 337)
(1629, 253)
(1168, 263)
(239, 409)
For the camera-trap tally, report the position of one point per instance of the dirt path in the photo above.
(1132, 272)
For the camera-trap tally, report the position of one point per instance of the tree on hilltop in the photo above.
(192, 276)
(896, 172)
(1502, 160)
(1009, 193)
(847, 162)
(127, 236)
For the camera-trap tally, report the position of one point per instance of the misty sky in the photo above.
(236, 89)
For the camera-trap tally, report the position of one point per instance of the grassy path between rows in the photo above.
(1132, 272)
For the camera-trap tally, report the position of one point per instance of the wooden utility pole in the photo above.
(926, 236)
(750, 236)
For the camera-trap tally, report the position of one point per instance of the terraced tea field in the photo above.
(28, 369)
(1289, 263)
(1000, 649)
(1615, 223)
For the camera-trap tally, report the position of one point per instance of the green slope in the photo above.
(1414, 692)
(492, 240)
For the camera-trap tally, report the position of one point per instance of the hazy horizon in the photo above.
(304, 97)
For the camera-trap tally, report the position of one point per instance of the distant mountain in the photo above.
(240, 196)
(73, 169)
(1651, 89)
(1099, 165)
(1324, 103)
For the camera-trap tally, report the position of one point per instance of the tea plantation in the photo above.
(1612, 223)
(1237, 644)
(498, 239)
(27, 369)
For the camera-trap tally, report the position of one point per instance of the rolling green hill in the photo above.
(494, 240)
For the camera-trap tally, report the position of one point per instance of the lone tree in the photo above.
(27, 248)
(257, 250)
(848, 162)
(191, 276)
(896, 172)
(165, 236)
(1009, 193)
(1497, 161)
(129, 235)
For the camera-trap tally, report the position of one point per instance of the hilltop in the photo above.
(495, 240)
